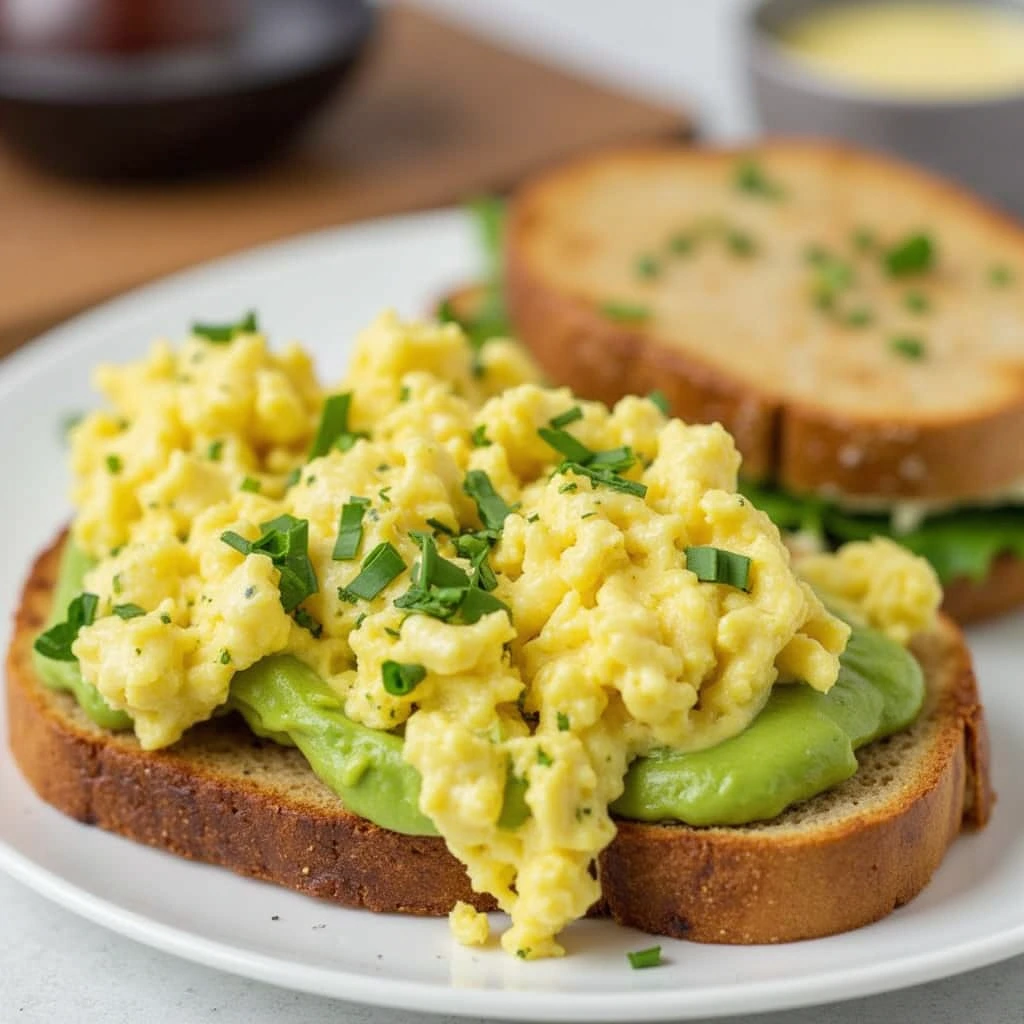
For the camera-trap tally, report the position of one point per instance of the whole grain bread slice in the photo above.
(223, 796)
(752, 287)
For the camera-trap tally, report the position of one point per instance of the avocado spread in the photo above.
(801, 743)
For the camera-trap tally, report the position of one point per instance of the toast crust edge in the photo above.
(708, 885)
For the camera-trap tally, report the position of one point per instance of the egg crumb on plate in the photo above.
(532, 590)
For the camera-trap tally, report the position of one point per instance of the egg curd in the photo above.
(531, 589)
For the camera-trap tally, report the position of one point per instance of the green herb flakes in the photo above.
(715, 565)
(220, 334)
(56, 642)
(400, 679)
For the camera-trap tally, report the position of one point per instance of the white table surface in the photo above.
(59, 968)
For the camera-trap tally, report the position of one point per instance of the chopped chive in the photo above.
(115, 583)
(864, 239)
(567, 417)
(128, 611)
(114, 464)
(350, 529)
(740, 243)
(605, 477)
(213, 453)
(1000, 276)
(306, 621)
(333, 431)
(544, 758)
(647, 267)
(438, 527)
(563, 721)
(491, 507)
(915, 254)
(681, 244)
(749, 177)
(285, 540)
(56, 642)
(292, 478)
(626, 312)
(859, 317)
(225, 656)
(165, 618)
(816, 254)
(479, 436)
(916, 302)
(221, 333)
(908, 347)
(400, 679)
(565, 444)
(568, 487)
(715, 565)
(382, 565)
(250, 485)
(403, 393)
(659, 399)
(645, 958)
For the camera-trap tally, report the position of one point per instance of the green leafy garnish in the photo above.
(250, 485)
(864, 239)
(56, 642)
(909, 347)
(382, 565)
(401, 678)
(114, 464)
(479, 437)
(285, 541)
(306, 621)
(128, 611)
(1000, 275)
(740, 243)
(625, 312)
(565, 418)
(213, 453)
(350, 529)
(750, 178)
(861, 316)
(914, 255)
(916, 302)
(716, 565)
(601, 468)
(333, 431)
(563, 721)
(647, 267)
(490, 505)
(650, 957)
(221, 333)
(659, 399)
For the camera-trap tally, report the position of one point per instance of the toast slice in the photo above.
(223, 796)
(764, 288)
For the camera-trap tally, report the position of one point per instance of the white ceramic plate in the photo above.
(322, 289)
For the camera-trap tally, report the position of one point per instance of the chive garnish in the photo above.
(401, 678)
(56, 642)
(438, 527)
(350, 529)
(285, 541)
(565, 444)
(221, 333)
(908, 347)
(306, 621)
(225, 656)
(1000, 275)
(681, 244)
(916, 302)
(382, 565)
(715, 565)
(565, 418)
(913, 255)
(213, 453)
(333, 431)
(645, 958)
(475, 547)
(544, 758)
(626, 312)
(250, 485)
(114, 464)
(563, 721)
(128, 611)
(661, 401)
(749, 177)
(864, 239)
(479, 436)
(605, 477)
(740, 243)
(859, 317)
(489, 504)
(647, 267)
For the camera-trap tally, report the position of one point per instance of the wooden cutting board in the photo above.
(435, 115)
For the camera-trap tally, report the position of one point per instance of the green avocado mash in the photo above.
(800, 744)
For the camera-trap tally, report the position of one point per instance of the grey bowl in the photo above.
(979, 142)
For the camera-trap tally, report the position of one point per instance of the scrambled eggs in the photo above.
(534, 589)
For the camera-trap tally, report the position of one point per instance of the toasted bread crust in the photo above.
(225, 797)
(807, 441)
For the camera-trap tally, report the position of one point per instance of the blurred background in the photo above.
(140, 136)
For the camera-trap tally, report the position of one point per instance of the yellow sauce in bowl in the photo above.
(941, 50)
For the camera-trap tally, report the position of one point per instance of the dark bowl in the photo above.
(183, 113)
